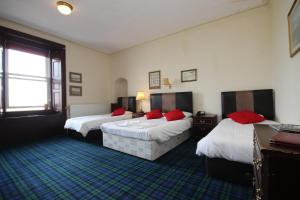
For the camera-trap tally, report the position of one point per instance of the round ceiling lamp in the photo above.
(64, 7)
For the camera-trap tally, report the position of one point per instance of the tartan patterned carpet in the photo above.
(64, 168)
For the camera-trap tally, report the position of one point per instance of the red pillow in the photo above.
(246, 117)
(154, 114)
(174, 115)
(118, 111)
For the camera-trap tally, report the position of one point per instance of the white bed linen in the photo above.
(140, 128)
(85, 124)
(229, 140)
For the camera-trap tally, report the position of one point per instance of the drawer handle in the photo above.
(257, 163)
(258, 197)
(258, 194)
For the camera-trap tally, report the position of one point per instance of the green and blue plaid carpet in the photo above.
(63, 168)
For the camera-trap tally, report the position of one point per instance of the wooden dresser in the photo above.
(276, 168)
(203, 124)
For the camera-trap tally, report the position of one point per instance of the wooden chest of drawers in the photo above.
(276, 168)
(203, 124)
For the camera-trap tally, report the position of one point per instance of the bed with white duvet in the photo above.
(148, 139)
(229, 140)
(85, 124)
(141, 128)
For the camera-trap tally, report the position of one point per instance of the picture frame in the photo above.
(75, 77)
(189, 75)
(294, 28)
(154, 80)
(75, 90)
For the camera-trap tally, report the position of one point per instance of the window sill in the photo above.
(28, 114)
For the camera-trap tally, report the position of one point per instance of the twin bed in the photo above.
(148, 139)
(228, 148)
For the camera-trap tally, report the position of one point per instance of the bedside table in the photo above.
(138, 114)
(203, 124)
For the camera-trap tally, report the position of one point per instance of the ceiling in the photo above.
(112, 25)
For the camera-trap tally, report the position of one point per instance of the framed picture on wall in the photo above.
(189, 75)
(75, 90)
(75, 77)
(154, 80)
(294, 28)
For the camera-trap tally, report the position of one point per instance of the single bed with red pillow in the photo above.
(246, 117)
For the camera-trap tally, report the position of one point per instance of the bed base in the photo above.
(231, 171)
(149, 150)
(93, 136)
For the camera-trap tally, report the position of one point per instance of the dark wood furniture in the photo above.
(128, 103)
(259, 101)
(276, 168)
(169, 101)
(138, 114)
(203, 124)
(113, 106)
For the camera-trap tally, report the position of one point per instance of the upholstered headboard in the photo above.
(259, 101)
(169, 101)
(128, 103)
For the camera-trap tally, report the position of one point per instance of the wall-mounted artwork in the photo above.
(189, 75)
(294, 28)
(154, 80)
(75, 90)
(75, 77)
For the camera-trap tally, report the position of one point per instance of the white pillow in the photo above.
(187, 114)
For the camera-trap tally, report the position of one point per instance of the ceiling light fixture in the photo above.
(64, 7)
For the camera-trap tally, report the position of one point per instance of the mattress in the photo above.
(229, 140)
(149, 150)
(85, 124)
(159, 130)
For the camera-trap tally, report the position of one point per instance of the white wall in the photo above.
(286, 78)
(230, 54)
(94, 66)
(244, 51)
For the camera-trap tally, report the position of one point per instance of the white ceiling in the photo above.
(112, 25)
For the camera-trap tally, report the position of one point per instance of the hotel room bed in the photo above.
(228, 149)
(85, 124)
(89, 126)
(149, 139)
(229, 140)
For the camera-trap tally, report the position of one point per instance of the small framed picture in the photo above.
(75, 77)
(189, 75)
(294, 28)
(75, 90)
(154, 80)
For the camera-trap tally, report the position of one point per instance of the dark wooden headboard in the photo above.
(128, 103)
(169, 101)
(259, 101)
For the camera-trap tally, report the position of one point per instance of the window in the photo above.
(28, 85)
(31, 74)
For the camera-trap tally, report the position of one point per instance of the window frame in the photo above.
(55, 51)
